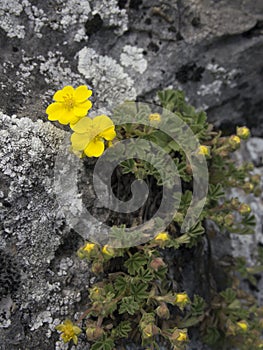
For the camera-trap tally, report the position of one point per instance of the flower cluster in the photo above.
(71, 107)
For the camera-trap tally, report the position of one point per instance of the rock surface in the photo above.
(122, 49)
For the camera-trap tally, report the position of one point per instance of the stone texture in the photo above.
(212, 49)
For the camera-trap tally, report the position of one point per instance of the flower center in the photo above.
(69, 101)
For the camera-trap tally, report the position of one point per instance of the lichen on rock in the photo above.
(113, 84)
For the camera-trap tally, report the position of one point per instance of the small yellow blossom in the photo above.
(181, 298)
(234, 141)
(155, 117)
(243, 325)
(89, 247)
(69, 331)
(70, 104)
(243, 132)
(204, 150)
(107, 250)
(248, 187)
(90, 133)
(182, 337)
(162, 236)
(244, 209)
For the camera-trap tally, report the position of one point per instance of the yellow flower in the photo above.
(162, 236)
(181, 298)
(155, 117)
(204, 150)
(244, 209)
(243, 132)
(243, 325)
(234, 141)
(182, 336)
(107, 250)
(89, 135)
(70, 104)
(89, 247)
(69, 331)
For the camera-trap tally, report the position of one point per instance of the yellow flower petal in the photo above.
(67, 322)
(75, 339)
(60, 327)
(80, 141)
(95, 148)
(76, 330)
(102, 122)
(108, 134)
(67, 117)
(54, 110)
(60, 94)
(82, 93)
(81, 109)
(83, 125)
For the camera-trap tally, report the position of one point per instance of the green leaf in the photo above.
(103, 344)
(145, 275)
(215, 192)
(135, 262)
(196, 230)
(121, 284)
(128, 166)
(139, 291)
(122, 330)
(129, 305)
(212, 336)
(198, 306)
(229, 295)
(190, 322)
(186, 200)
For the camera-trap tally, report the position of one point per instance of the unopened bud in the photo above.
(156, 263)
(244, 209)
(163, 311)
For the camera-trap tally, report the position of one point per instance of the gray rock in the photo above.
(122, 49)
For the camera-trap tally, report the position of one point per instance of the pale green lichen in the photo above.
(113, 84)
(132, 56)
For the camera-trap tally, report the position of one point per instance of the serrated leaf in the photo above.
(121, 284)
(103, 344)
(196, 230)
(129, 305)
(122, 330)
(135, 262)
(215, 192)
(145, 275)
(139, 291)
(229, 295)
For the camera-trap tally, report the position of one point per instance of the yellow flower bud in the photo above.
(162, 236)
(155, 117)
(243, 132)
(204, 150)
(244, 209)
(234, 142)
(108, 250)
(182, 337)
(243, 325)
(181, 298)
(248, 187)
(89, 247)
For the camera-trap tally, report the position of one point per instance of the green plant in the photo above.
(138, 300)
